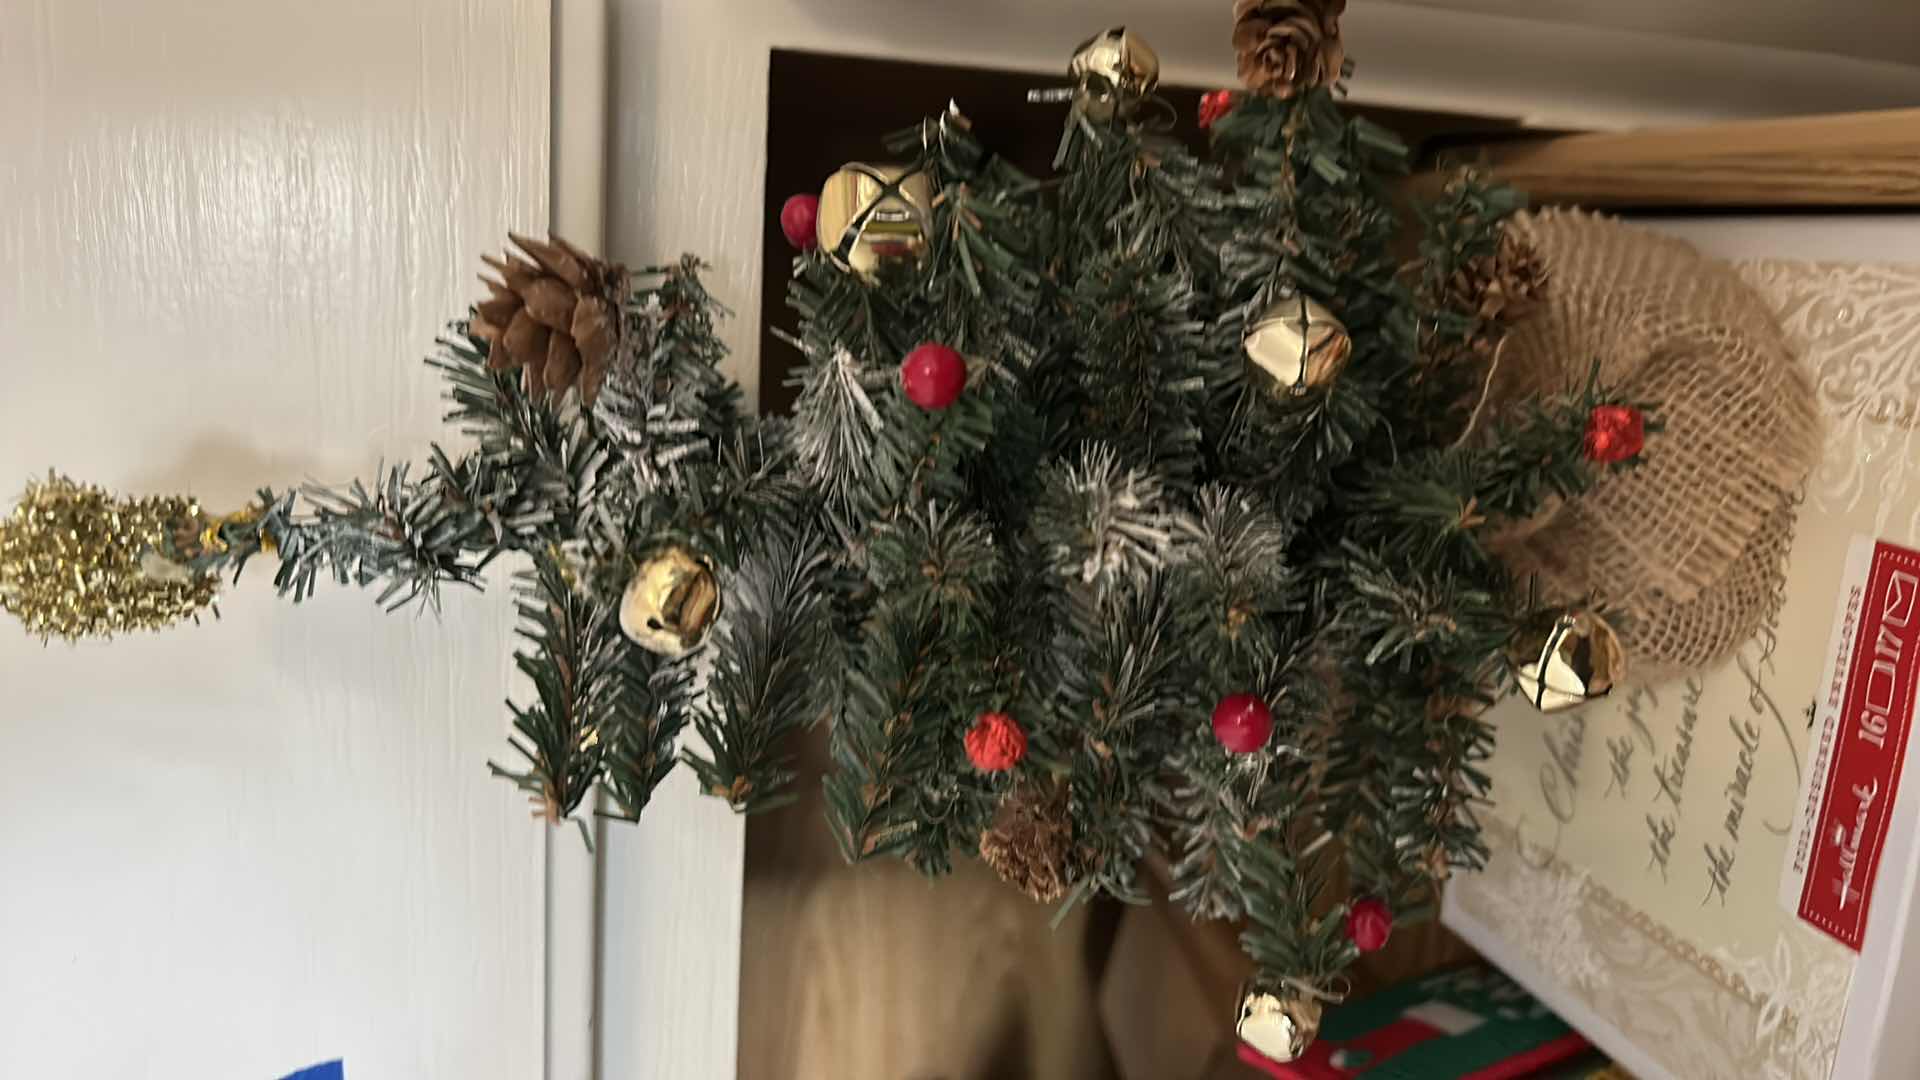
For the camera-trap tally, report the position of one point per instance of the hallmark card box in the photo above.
(1714, 877)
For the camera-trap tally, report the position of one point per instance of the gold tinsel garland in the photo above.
(76, 562)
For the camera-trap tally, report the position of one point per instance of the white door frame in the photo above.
(577, 211)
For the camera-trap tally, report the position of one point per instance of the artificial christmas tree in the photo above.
(1191, 434)
(1221, 455)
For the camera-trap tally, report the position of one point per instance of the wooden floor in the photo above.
(874, 973)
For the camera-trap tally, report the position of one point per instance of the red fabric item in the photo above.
(798, 216)
(1615, 433)
(1369, 923)
(996, 743)
(1380, 1045)
(1242, 723)
(1213, 106)
(1305, 1069)
(933, 376)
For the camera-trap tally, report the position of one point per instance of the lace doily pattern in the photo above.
(1702, 1015)
(1859, 328)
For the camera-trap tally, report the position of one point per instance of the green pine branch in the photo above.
(771, 675)
(901, 782)
(575, 661)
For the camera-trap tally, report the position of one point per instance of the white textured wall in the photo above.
(228, 231)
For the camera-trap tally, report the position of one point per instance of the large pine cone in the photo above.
(555, 313)
(1030, 842)
(1287, 46)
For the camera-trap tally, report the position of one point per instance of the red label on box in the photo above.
(1869, 709)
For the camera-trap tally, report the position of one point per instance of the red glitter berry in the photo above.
(1615, 433)
(1242, 723)
(933, 376)
(1369, 924)
(1213, 106)
(798, 216)
(996, 743)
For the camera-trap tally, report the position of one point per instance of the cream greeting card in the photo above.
(1638, 844)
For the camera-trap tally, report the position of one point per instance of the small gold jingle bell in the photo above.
(1575, 660)
(1279, 1025)
(1297, 345)
(1113, 72)
(874, 214)
(671, 602)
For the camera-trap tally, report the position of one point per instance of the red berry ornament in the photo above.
(933, 376)
(1615, 433)
(996, 743)
(1369, 924)
(798, 216)
(1242, 723)
(1213, 106)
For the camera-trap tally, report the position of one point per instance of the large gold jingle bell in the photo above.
(1113, 72)
(1569, 663)
(871, 215)
(1281, 1026)
(671, 602)
(1297, 345)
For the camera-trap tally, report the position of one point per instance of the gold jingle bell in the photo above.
(1575, 660)
(1297, 345)
(1113, 72)
(671, 602)
(874, 214)
(1279, 1025)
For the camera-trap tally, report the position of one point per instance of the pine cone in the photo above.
(1502, 288)
(1287, 46)
(556, 316)
(1030, 841)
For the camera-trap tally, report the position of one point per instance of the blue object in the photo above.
(332, 1070)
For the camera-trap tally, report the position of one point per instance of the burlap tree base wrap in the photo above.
(1687, 553)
